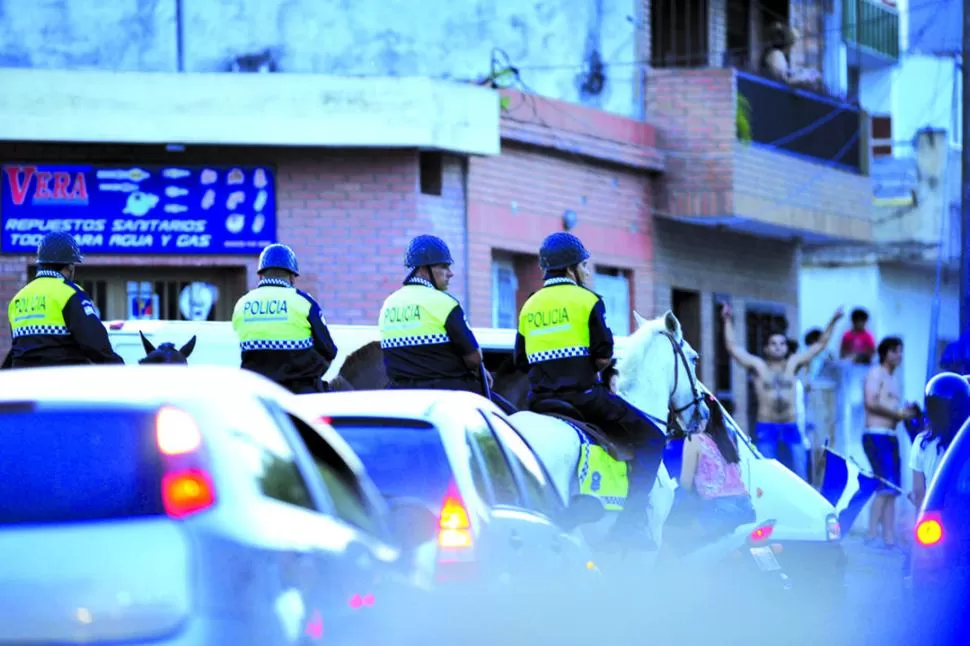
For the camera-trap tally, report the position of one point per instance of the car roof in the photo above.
(143, 384)
(394, 404)
(488, 338)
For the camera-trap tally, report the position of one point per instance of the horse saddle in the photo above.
(569, 414)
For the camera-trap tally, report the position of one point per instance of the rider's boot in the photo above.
(632, 527)
(631, 530)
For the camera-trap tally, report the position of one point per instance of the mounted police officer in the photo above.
(52, 321)
(563, 343)
(282, 332)
(424, 335)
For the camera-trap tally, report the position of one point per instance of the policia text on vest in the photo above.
(53, 323)
(562, 332)
(283, 335)
(425, 337)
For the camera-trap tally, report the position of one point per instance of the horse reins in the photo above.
(672, 412)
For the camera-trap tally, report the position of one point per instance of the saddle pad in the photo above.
(598, 437)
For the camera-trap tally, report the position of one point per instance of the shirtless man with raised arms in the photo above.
(884, 411)
(776, 433)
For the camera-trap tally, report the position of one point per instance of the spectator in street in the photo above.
(777, 433)
(858, 345)
(711, 469)
(883, 412)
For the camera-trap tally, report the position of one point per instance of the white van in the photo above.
(807, 526)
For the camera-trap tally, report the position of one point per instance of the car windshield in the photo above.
(404, 458)
(71, 463)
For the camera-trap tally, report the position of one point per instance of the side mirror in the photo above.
(412, 523)
(582, 510)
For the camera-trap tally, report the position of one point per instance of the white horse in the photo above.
(657, 375)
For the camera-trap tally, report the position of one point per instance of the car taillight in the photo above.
(929, 529)
(187, 492)
(176, 431)
(762, 533)
(187, 487)
(456, 556)
(454, 529)
(833, 529)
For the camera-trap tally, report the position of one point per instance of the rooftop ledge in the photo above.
(248, 109)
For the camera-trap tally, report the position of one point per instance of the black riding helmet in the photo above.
(59, 248)
(427, 251)
(947, 403)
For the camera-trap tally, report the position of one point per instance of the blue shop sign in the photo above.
(139, 209)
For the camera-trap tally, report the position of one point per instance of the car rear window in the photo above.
(404, 458)
(70, 463)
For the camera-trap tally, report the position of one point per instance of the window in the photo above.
(393, 451)
(430, 172)
(881, 135)
(614, 288)
(498, 472)
(349, 501)
(542, 495)
(78, 462)
(262, 448)
(505, 286)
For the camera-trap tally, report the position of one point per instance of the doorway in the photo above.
(686, 305)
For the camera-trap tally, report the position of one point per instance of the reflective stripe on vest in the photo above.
(273, 318)
(38, 308)
(415, 315)
(602, 476)
(555, 323)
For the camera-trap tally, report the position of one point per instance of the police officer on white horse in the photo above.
(282, 332)
(563, 343)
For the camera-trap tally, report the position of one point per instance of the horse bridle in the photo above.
(681, 358)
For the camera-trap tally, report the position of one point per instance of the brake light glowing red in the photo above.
(323, 420)
(176, 432)
(929, 529)
(187, 492)
(762, 533)
(361, 601)
(454, 528)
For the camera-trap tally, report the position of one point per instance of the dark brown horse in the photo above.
(363, 369)
(166, 352)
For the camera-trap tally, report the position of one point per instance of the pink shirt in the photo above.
(714, 477)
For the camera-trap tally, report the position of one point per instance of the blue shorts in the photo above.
(883, 453)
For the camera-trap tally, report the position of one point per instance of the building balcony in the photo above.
(870, 29)
(801, 171)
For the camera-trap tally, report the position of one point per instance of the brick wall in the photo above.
(518, 198)
(348, 215)
(715, 261)
(694, 112)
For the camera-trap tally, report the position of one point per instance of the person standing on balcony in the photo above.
(776, 61)
(777, 434)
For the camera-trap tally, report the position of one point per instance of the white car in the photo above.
(495, 539)
(186, 506)
(806, 524)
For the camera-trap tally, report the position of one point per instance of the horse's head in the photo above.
(363, 368)
(166, 352)
(658, 374)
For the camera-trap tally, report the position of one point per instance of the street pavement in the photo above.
(876, 606)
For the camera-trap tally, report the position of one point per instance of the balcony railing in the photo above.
(872, 25)
(803, 123)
